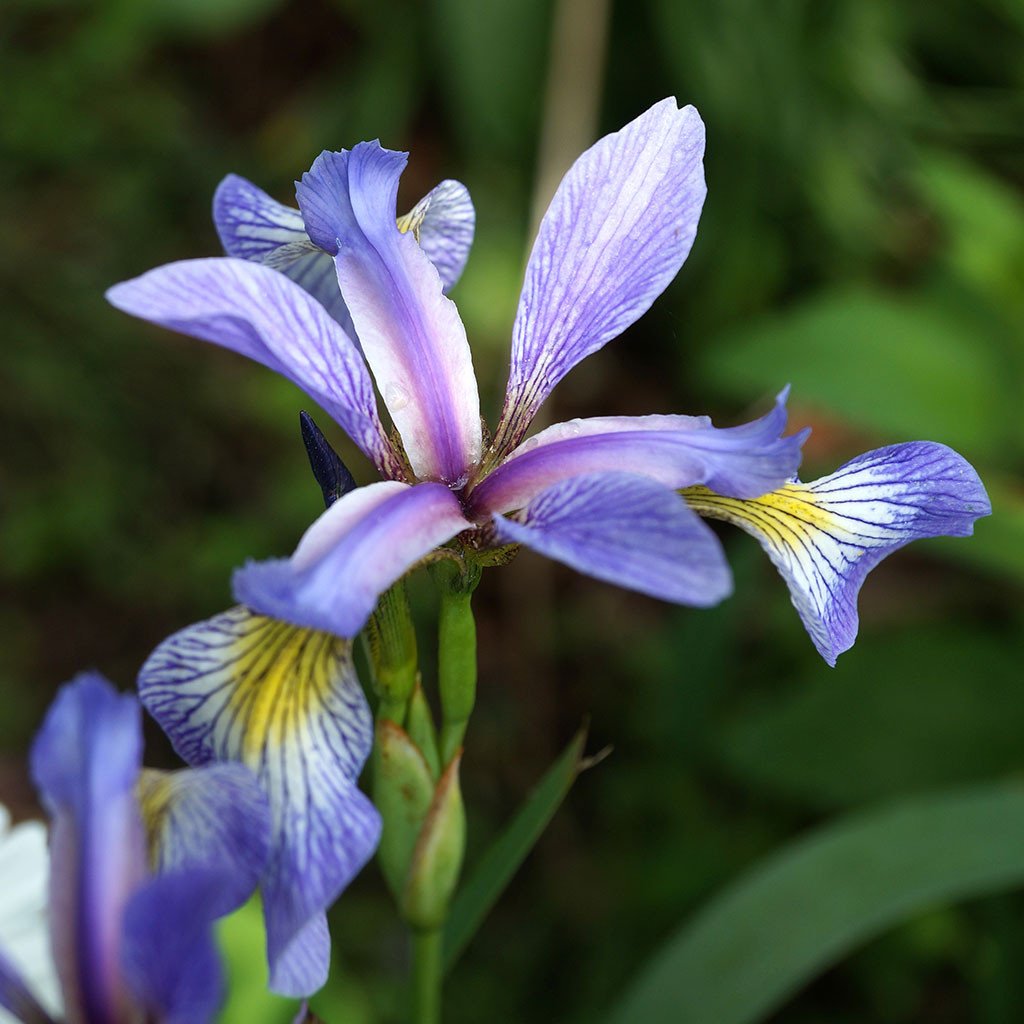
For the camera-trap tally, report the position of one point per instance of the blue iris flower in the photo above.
(142, 865)
(349, 301)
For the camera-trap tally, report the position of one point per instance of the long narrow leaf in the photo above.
(495, 870)
(805, 907)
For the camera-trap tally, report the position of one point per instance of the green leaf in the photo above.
(491, 60)
(906, 370)
(802, 909)
(492, 874)
(919, 708)
(983, 221)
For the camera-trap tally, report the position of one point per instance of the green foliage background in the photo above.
(863, 239)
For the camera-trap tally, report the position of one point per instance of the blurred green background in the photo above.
(863, 239)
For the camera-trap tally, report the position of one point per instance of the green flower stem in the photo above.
(391, 647)
(456, 653)
(426, 977)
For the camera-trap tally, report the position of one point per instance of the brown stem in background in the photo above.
(572, 103)
(572, 94)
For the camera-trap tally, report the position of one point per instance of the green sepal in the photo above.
(403, 791)
(437, 858)
(420, 726)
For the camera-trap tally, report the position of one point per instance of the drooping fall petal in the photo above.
(627, 530)
(824, 537)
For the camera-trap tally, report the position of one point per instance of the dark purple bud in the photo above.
(331, 473)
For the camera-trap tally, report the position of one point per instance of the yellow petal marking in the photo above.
(413, 220)
(787, 517)
(281, 674)
(155, 791)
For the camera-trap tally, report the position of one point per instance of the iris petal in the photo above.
(259, 313)
(443, 222)
(356, 549)
(285, 702)
(213, 818)
(627, 530)
(824, 537)
(253, 226)
(170, 959)
(85, 761)
(677, 451)
(411, 334)
(617, 231)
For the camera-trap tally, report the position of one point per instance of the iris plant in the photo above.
(142, 864)
(341, 294)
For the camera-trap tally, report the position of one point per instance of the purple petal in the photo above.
(285, 702)
(15, 997)
(616, 233)
(824, 537)
(411, 334)
(302, 958)
(678, 451)
(627, 530)
(356, 549)
(443, 222)
(85, 761)
(252, 226)
(210, 818)
(259, 313)
(170, 958)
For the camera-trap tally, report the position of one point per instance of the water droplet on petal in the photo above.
(529, 444)
(396, 396)
(573, 428)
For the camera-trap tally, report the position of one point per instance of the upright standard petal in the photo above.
(285, 702)
(627, 530)
(617, 231)
(678, 451)
(443, 222)
(85, 761)
(356, 549)
(213, 819)
(411, 334)
(253, 226)
(170, 960)
(259, 313)
(824, 537)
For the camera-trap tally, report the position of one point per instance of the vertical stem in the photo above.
(426, 977)
(456, 654)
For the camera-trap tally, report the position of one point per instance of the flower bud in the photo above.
(438, 855)
(403, 793)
